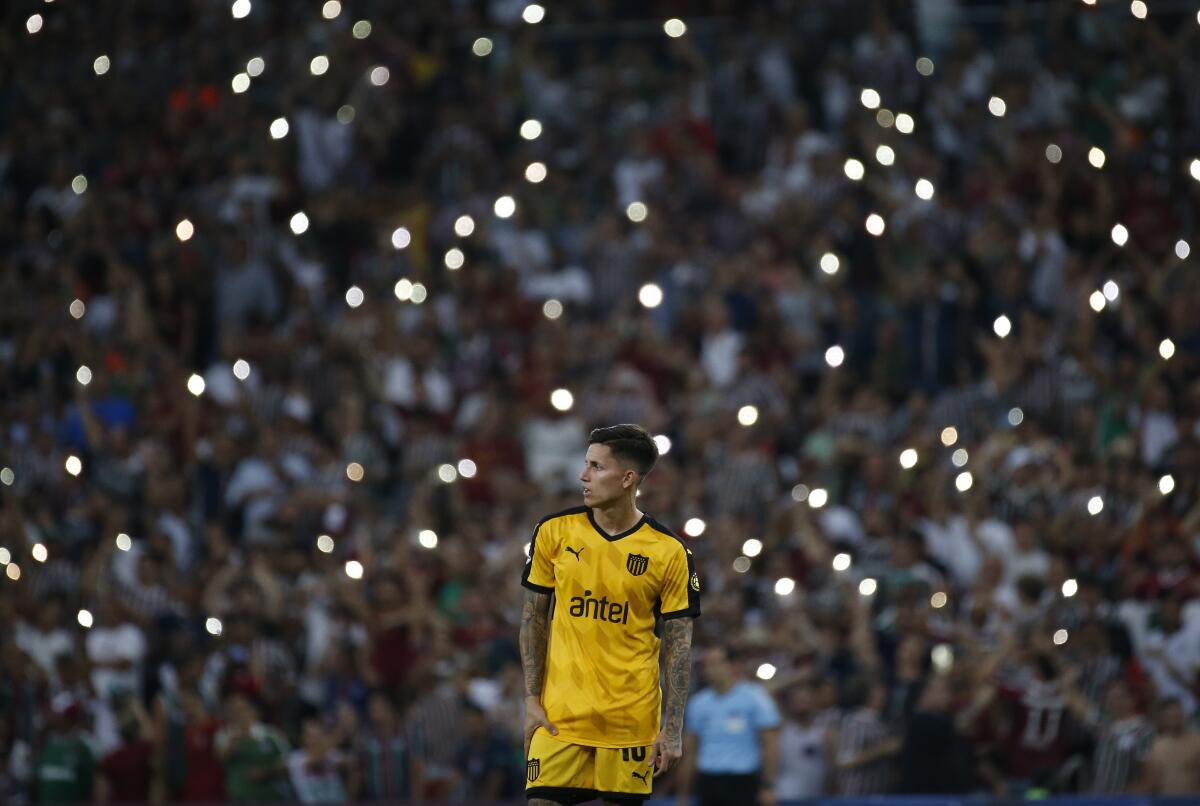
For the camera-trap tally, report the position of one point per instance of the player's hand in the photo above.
(535, 717)
(666, 751)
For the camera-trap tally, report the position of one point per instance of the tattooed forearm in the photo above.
(678, 642)
(535, 634)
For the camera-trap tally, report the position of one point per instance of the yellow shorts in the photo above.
(573, 773)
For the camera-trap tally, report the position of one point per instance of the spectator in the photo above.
(317, 769)
(64, 768)
(127, 774)
(936, 756)
(860, 744)
(1171, 766)
(804, 767)
(203, 773)
(1123, 743)
(731, 736)
(254, 755)
(488, 761)
(391, 766)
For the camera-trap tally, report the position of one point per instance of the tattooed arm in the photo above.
(677, 640)
(535, 636)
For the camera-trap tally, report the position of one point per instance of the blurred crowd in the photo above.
(276, 406)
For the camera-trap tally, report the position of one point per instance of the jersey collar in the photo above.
(613, 538)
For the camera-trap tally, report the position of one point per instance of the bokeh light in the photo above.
(535, 172)
(650, 295)
(531, 129)
(562, 399)
(674, 28)
(504, 207)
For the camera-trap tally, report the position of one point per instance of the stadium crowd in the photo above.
(276, 399)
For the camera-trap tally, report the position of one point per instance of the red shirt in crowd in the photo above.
(128, 772)
(204, 777)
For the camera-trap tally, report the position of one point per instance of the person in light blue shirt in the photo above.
(732, 738)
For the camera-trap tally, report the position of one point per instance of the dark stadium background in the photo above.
(306, 309)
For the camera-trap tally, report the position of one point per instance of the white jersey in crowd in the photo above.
(802, 761)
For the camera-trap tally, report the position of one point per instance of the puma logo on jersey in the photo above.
(576, 552)
(641, 776)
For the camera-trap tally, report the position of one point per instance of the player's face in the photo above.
(604, 479)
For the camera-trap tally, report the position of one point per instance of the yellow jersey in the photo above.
(610, 592)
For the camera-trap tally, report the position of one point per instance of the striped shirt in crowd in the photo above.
(859, 731)
(437, 720)
(386, 763)
(1121, 749)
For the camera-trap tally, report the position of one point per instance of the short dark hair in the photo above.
(629, 443)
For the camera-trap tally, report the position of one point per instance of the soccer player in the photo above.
(619, 580)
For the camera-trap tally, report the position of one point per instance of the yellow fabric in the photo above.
(602, 671)
(561, 765)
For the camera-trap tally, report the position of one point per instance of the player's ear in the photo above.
(629, 479)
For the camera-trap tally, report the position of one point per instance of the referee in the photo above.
(732, 738)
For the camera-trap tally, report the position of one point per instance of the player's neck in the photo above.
(619, 516)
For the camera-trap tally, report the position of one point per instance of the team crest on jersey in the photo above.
(637, 564)
(533, 768)
(695, 582)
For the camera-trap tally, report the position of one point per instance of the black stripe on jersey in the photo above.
(613, 538)
(693, 608)
(533, 545)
